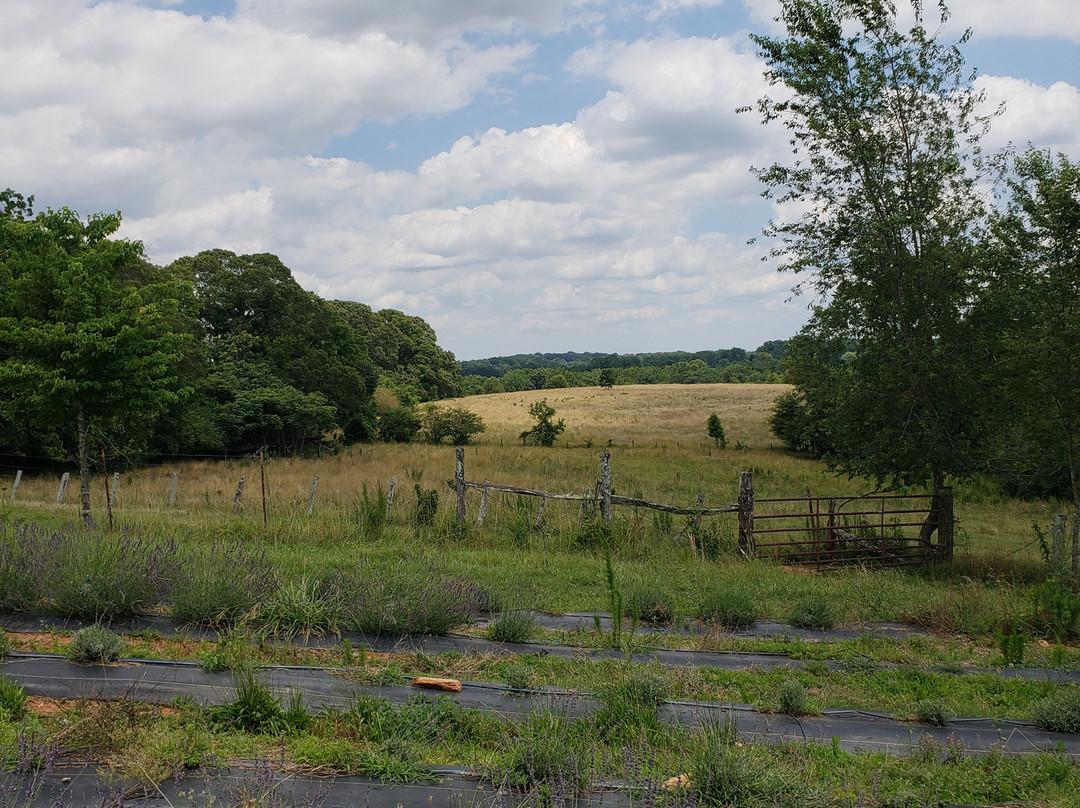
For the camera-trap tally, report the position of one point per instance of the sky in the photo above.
(526, 175)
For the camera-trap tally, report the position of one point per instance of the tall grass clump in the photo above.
(730, 607)
(549, 759)
(219, 584)
(516, 626)
(632, 703)
(1059, 712)
(370, 509)
(305, 606)
(648, 602)
(104, 577)
(12, 701)
(21, 566)
(813, 611)
(407, 599)
(724, 772)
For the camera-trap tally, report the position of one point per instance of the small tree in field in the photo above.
(546, 430)
(455, 423)
(716, 431)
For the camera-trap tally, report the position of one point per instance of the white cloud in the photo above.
(1047, 117)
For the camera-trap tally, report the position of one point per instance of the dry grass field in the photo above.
(656, 434)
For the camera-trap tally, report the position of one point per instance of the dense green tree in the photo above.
(546, 430)
(456, 423)
(1036, 286)
(716, 430)
(85, 348)
(283, 367)
(606, 377)
(883, 123)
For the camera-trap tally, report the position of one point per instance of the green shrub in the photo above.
(724, 773)
(95, 644)
(731, 608)
(813, 611)
(517, 625)
(632, 702)
(519, 676)
(1055, 611)
(220, 584)
(303, 607)
(103, 577)
(550, 756)
(12, 700)
(255, 709)
(1059, 712)
(793, 699)
(933, 711)
(648, 602)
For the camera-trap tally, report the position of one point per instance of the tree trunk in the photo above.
(84, 463)
(932, 523)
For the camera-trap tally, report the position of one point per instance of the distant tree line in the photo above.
(542, 371)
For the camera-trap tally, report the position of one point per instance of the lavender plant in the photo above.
(217, 585)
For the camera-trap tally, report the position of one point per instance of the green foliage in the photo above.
(884, 124)
(793, 698)
(800, 429)
(516, 625)
(631, 702)
(370, 510)
(716, 430)
(456, 423)
(12, 700)
(649, 602)
(814, 612)
(256, 710)
(1059, 712)
(606, 378)
(1011, 641)
(724, 772)
(95, 644)
(1055, 611)
(302, 606)
(728, 606)
(427, 504)
(220, 584)
(550, 756)
(934, 712)
(86, 349)
(545, 431)
(398, 425)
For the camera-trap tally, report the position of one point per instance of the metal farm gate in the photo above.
(881, 529)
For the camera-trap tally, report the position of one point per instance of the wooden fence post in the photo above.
(15, 487)
(262, 486)
(746, 513)
(945, 524)
(390, 498)
(1057, 547)
(311, 499)
(236, 502)
(459, 483)
(115, 485)
(483, 504)
(605, 487)
(172, 489)
(539, 521)
(63, 487)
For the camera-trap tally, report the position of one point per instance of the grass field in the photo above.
(660, 452)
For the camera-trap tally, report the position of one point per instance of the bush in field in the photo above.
(729, 607)
(648, 602)
(406, 599)
(219, 584)
(95, 644)
(456, 423)
(516, 625)
(1059, 712)
(813, 611)
(103, 577)
(545, 431)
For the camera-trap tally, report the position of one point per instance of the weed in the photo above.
(632, 702)
(648, 602)
(515, 626)
(1011, 642)
(303, 607)
(793, 699)
(934, 712)
(732, 608)
(723, 772)
(813, 611)
(370, 510)
(12, 701)
(1055, 611)
(255, 709)
(1059, 712)
(95, 644)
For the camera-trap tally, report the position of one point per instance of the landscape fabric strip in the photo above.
(851, 730)
(461, 643)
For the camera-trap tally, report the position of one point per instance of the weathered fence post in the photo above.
(539, 521)
(945, 524)
(115, 485)
(15, 487)
(390, 498)
(63, 487)
(605, 487)
(696, 528)
(746, 513)
(236, 502)
(483, 504)
(262, 486)
(108, 494)
(311, 499)
(172, 489)
(459, 483)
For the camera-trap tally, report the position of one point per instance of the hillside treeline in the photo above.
(214, 354)
(542, 371)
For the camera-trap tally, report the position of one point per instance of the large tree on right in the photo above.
(884, 127)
